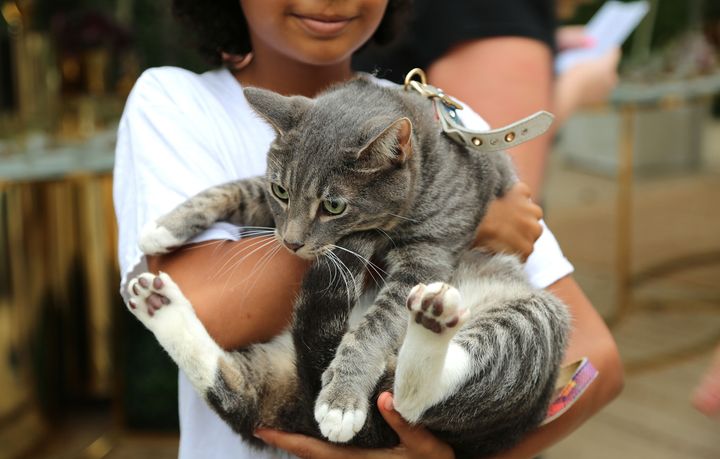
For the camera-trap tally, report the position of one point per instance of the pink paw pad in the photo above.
(146, 293)
(437, 307)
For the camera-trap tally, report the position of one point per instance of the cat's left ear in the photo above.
(393, 145)
(282, 112)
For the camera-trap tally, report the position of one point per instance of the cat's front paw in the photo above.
(340, 411)
(150, 293)
(437, 307)
(156, 239)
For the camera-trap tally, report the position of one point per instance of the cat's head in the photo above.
(340, 164)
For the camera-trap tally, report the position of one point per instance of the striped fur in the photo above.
(475, 363)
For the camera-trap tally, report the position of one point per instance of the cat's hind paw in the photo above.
(149, 294)
(437, 307)
(156, 239)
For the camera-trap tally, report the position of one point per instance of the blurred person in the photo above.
(706, 397)
(498, 58)
(586, 83)
(182, 132)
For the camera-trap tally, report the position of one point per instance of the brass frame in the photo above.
(626, 279)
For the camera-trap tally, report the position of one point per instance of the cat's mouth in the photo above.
(300, 249)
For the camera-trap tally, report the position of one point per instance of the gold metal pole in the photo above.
(624, 223)
(96, 230)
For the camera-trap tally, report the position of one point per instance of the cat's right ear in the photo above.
(393, 145)
(280, 111)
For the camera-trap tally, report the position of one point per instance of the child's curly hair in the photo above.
(219, 25)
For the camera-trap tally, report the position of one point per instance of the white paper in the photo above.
(609, 27)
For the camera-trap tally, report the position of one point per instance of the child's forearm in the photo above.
(239, 302)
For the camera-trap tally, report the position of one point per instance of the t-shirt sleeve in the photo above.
(547, 264)
(165, 152)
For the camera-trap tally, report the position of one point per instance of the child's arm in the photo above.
(239, 302)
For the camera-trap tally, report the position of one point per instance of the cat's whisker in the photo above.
(256, 268)
(365, 262)
(220, 246)
(326, 259)
(219, 243)
(243, 230)
(240, 250)
(344, 273)
(380, 230)
(402, 217)
(244, 227)
(233, 262)
(262, 264)
(200, 245)
(323, 255)
(378, 270)
(264, 245)
(248, 231)
(347, 270)
(256, 233)
(376, 276)
(330, 262)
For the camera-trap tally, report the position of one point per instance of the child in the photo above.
(183, 132)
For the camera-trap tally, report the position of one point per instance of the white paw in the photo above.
(339, 425)
(437, 307)
(155, 239)
(150, 294)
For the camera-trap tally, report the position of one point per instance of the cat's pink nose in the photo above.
(294, 246)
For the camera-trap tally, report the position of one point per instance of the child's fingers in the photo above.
(416, 441)
(301, 445)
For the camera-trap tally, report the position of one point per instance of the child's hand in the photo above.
(415, 442)
(511, 224)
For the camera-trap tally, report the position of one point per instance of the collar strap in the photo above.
(495, 139)
(484, 141)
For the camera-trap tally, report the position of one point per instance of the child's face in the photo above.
(315, 32)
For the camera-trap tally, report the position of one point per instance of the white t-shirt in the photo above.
(181, 133)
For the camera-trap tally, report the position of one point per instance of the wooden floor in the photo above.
(673, 323)
(674, 215)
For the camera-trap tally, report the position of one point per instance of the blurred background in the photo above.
(632, 193)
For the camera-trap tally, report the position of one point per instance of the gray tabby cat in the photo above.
(363, 172)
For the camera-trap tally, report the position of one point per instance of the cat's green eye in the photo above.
(334, 206)
(281, 193)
